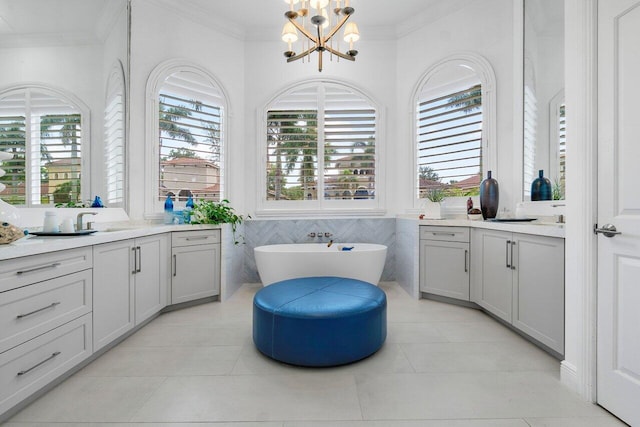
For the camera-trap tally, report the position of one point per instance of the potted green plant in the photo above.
(209, 212)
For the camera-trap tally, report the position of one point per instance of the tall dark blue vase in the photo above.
(541, 188)
(489, 197)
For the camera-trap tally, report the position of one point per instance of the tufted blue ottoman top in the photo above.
(319, 321)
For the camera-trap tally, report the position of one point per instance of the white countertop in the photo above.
(533, 227)
(34, 245)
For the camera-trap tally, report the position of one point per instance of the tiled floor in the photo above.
(442, 365)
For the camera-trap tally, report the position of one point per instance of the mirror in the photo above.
(68, 50)
(543, 95)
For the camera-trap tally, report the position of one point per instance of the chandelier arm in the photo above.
(340, 54)
(304, 31)
(336, 28)
(303, 54)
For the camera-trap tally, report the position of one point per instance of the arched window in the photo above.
(43, 128)
(454, 122)
(189, 109)
(321, 150)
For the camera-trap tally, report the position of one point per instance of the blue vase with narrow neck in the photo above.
(541, 188)
(489, 197)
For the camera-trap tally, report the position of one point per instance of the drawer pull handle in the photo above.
(175, 265)
(197, 238)
(44, 267)
(443, 234)
(466, 254)
(26, 371)
(20, 316)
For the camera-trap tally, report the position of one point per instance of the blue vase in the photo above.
(541, 188)
(489, 197)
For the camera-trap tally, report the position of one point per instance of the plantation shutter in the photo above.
(13, 140)
(350, 146)
(292, 154)
(328, 119)
(44, 133)
(562, 146)
(530, 137)
(114, 139)
(449, 139)
(191, 136)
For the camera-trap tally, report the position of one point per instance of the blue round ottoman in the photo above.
(319, 321)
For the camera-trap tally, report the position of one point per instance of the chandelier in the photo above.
(313, 19)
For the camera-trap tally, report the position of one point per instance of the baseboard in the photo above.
(569, 376)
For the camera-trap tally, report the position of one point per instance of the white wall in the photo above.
(484, 28)
(158, 34)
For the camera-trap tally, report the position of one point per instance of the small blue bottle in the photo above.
(168, 210)
(97, 203)
(188, 209)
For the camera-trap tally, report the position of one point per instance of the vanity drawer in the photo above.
(27, 368)
(32, 310)
(18, 272)
(190, 238)
(447, 234)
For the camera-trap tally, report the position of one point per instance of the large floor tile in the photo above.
(248, 424)
(476, 332)
(302, 396)
(159, 335)
(478, 357)
(414, 333)
(404, 423)
(87, 399)
(431, 311)
(608, 421)
(164, 361)
(474, 395)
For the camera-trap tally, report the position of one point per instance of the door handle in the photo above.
(175, 265)
(139, 268)
(466, 254)
(135, 260)
(513, 264)
(609, 230)
(507, 253)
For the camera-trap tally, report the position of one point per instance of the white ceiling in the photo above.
(246, 19)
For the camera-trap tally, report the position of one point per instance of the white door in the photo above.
(618, 364)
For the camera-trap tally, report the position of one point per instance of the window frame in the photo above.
(484, 73)
(320, 207)
(153, 208)
(85, 126)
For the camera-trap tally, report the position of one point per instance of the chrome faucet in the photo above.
(79, 219)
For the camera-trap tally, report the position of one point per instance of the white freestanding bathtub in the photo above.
(289, 261)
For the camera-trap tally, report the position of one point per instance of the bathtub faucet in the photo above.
(311, 235)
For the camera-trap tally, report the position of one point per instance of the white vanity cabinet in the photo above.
(130, 285)
(520, 278)
(195, 265)
(45, 320)
(444, 261)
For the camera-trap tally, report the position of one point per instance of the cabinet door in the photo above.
(538, 295)
(196, 272)
(151, 275)
(492, 275)
(444, 268)
(113, 293)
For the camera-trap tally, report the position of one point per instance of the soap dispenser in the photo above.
(168, 210)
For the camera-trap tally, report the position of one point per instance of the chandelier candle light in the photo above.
(318, 23)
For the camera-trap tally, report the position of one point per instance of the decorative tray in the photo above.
(512, 219)
(75, 233)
